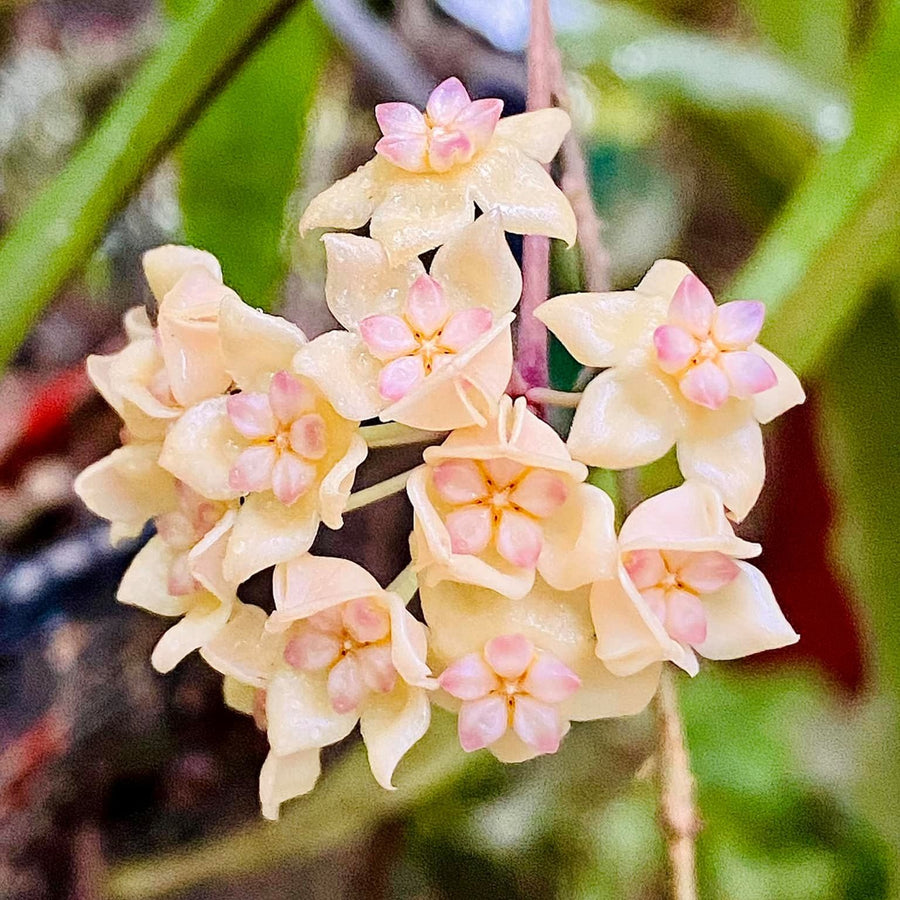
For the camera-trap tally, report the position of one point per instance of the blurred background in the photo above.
(758, 140)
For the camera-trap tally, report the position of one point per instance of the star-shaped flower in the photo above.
(679, 370)
(431, 351)
(431, 169)
(683, 588)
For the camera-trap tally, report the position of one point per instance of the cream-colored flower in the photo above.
(431, 169)
(277, 443)
(179, 573)
(496, 504)
(338, 650)
(680, 370)
(518, 671)
(682, 588)
(160, 371)
(430, 351)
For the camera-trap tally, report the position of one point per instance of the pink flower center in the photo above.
(510, 685)
(672, 582)
(708, 348)
(425, 337)
(352, 643)
(181, 529)
(451, 132)
(286, 439)
(499, 503)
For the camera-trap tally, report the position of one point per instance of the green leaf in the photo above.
(839, 231)
(52, 240)
(239, 162)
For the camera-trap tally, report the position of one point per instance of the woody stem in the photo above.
(531, 356)
(677, 809)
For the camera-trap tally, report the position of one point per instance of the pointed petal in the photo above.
(391, 724)
(625, 419)
(509, 655)
(646, 568)
(479, 120)
(465, 327)
(409, 644)
(685, 619)
(387, 337)
(337, 484)
(744, 618)
(706, 385)
(674, 348)
(282, 778)
(505, 179)
(447, 101)
(400, 118)
(400, 376)
(251, 414)
(692, 307)
(725, 449)
(538, 133)
(346, 688)
(253, 469)
(481, 722)
(787, 392)
(550, 680)
(145, 582)
(426, 308)
(747, 373)
(292, 477)
(737, 324)
(164, 266)
(537, 724)
(469, 678)
(200, 625)
(704, 572)
(540, 493)
(290, 397)
(243, 649)
(348, 203)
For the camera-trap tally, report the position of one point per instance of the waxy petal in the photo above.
(387, 337)
(550, 680)
(291, 478)
(469, 678)
(539, 133)
(282, 778)
(426, 308)
(377, 668)
(251, 414)
(408, 152)
(400, 376)
(692, 307)
(675, 348)
(309, 437)
(747, 373)
(366, 621)
(289, 397)
(685, 619)
(645, 568)
(447, 101)
(503, 472)
(540, 493)
(519, 539)
(254, 469)
(312, 650)
(400, 118)
(509, 655)
(537, 724)
(459, 481)
(346, 687)
(479, 120)
(703, 572)
(470, 529)
(448, 150)
(787, 392)
(737, 324)
(465, 327)
(481, 722)
(706, 385)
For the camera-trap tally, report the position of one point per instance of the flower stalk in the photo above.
(378, 491)
(677, 809)
(392, 434)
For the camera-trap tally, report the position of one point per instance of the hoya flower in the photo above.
(494, 505)
(338, 650)
(160, 371)
(431, 168)
(179, 573)
(519, 671)
(683, 588)
(277, 443)
(429, 351)
(681, 371)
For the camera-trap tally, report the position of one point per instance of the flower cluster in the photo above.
(240, 437)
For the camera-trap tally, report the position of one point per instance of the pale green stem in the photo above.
(378, 491)
(393, 434)
(549, 397)
(405, 584)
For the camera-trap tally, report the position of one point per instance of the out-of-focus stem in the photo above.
(378, 491)
(677, 811)
(405, 584)
(393, 434)
(531, 356)
(549, 397)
